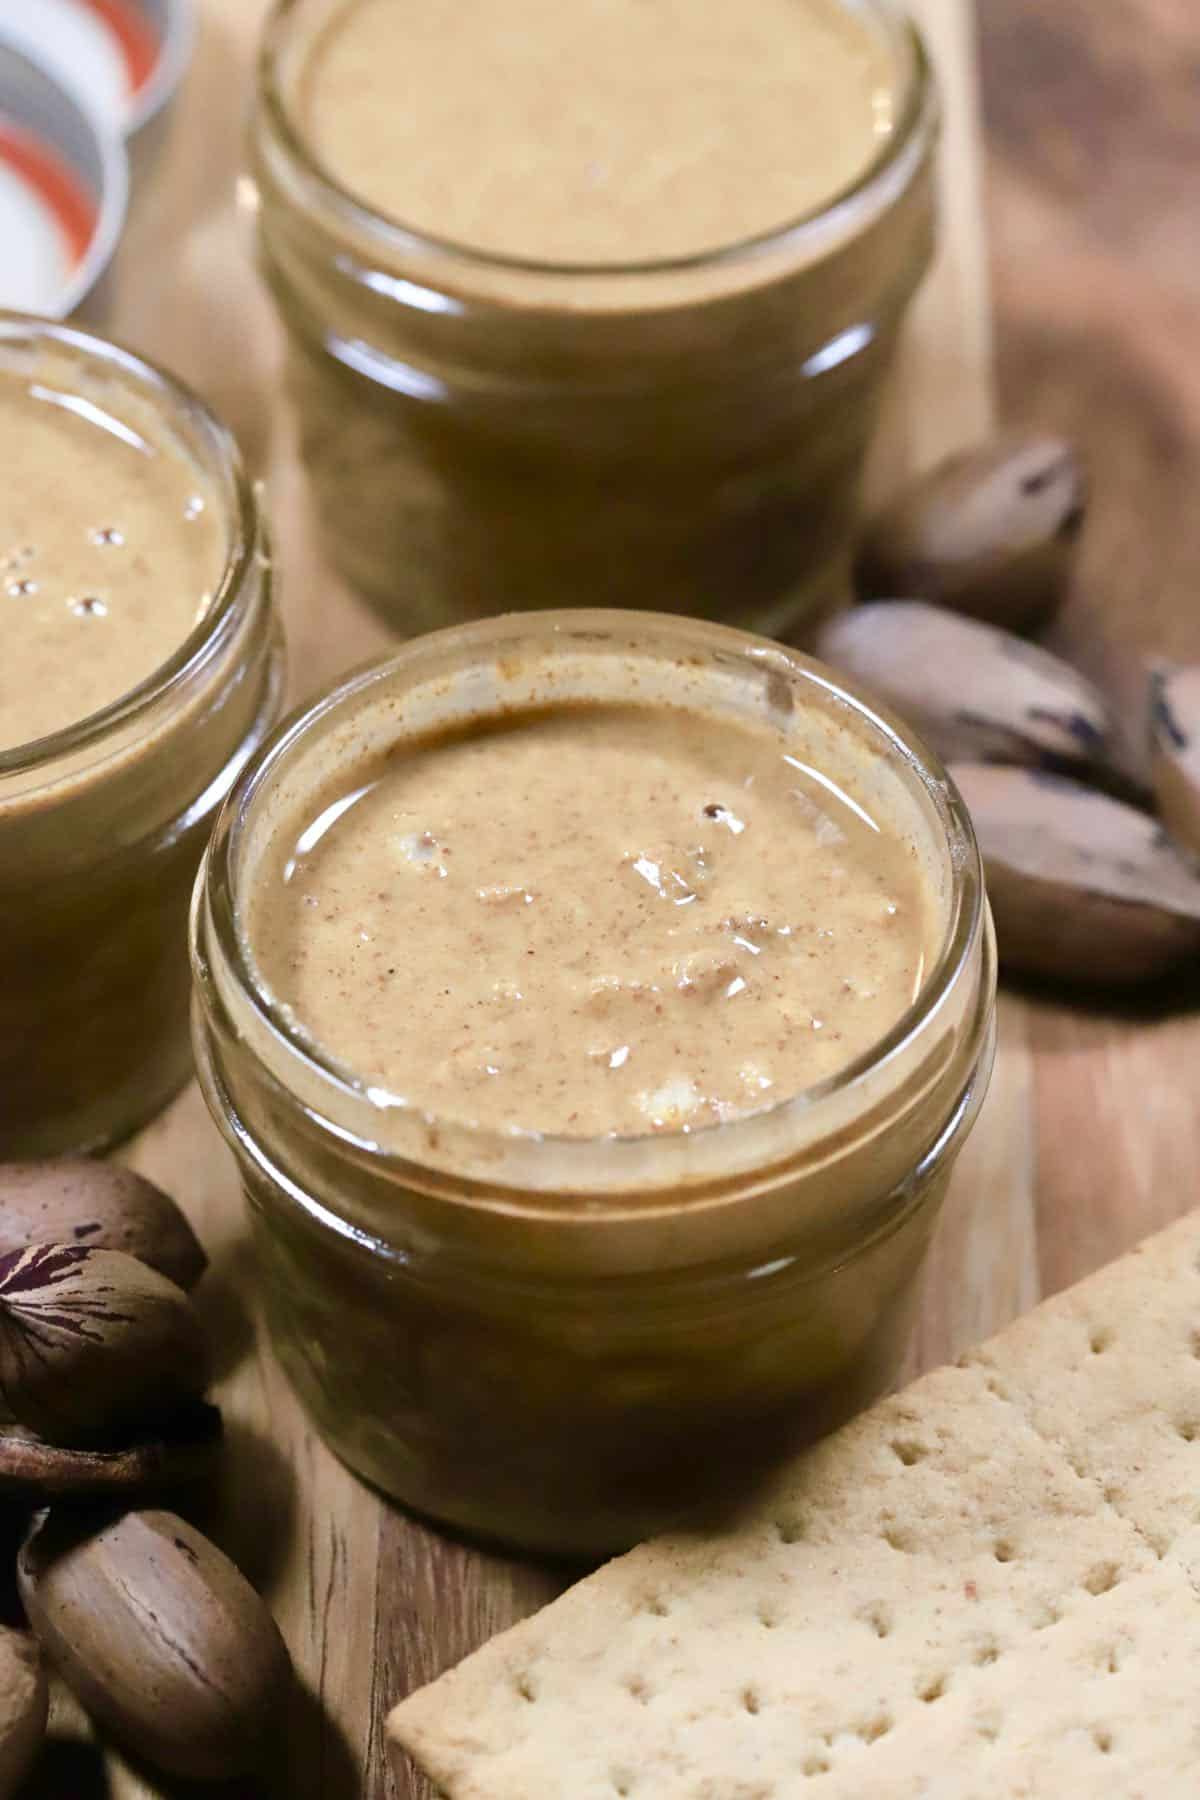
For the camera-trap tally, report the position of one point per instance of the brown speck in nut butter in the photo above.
(638, 899)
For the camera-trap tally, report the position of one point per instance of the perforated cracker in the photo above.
(921, 1608)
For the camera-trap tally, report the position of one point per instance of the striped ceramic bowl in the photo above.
(63, 189)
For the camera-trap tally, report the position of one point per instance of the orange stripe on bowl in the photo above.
(135, 37)
(56, 185)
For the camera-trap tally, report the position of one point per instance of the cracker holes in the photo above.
(985, 1655)
(638, 1689)
(750, 1702)
(908, 1452)
(789, 1531)
(1102, 1740)
(872, 1729)
(1047, 1615)
(1003, 1551)
(1102, 1578)
(1195, 1343)
(525, 1688)
(879, 1619)
(932, 1690)
(987, 1726)
(815, 1764)
(898, 1538)
(768, 1618)
(995, 1386)
(657, 1607)
(1100, 1340)
(1188, 1430)
(622, 1783)
(1109, 1660)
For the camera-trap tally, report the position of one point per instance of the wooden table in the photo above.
(1090, 1135)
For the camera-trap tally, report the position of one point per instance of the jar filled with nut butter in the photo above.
(140, 665)
(592, 301)
(595, 1004)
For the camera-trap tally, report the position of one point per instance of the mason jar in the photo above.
(102, 823)
(485, 434)
(559, 1342)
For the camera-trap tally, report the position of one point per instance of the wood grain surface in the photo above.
(1089, 1137)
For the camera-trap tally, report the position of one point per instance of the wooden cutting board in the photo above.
(370, 1603)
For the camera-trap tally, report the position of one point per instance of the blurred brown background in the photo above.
(1092, 118)
(1092, 121)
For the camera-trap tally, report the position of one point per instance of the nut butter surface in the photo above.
(591, 919)
(110, 550)
(611, 131)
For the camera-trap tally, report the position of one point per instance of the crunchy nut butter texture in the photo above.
(589, 919)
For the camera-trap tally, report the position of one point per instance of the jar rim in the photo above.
(209, 633)
(918, 119)
(214, 907)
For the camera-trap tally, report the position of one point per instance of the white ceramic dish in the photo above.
(125, 58)
(64, 188)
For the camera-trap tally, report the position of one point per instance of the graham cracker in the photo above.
(984, 1586)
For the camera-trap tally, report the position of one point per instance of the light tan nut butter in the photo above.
(594, 918)
(605, 132)
(111, 549)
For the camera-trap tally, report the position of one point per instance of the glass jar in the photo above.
(485, 435)
(102, 823)
(559, 1342)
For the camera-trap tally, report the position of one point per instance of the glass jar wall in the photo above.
(103, 822)
(560, 1342)
(485, 434)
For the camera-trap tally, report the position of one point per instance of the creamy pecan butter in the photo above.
(602, 131)
(590, 919)
(111, 548)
